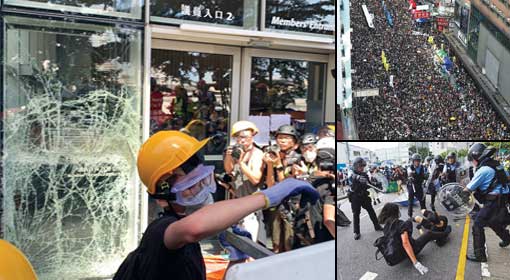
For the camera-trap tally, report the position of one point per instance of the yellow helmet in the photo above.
(162, 153)
(13, 263)
(243, 125)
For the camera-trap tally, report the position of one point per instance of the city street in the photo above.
(356, 259)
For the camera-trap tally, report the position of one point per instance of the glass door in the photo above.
(284, 88)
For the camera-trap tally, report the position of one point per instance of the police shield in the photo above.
(455, 200)
(462, 176)
(382, 180)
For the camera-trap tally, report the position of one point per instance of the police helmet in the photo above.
(438, 159)
(428, 159)
(452, 155)
(358, 162)
(416, 157)
(479, 152)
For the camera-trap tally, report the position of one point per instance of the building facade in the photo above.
(489, 41)
(344, 82)
(84, 83)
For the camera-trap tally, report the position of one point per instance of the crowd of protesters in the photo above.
(424, 102)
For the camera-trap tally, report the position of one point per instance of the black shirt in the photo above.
(152, 260)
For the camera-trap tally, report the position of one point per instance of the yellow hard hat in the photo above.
(13, 263)
(243, 125)
(162, 153)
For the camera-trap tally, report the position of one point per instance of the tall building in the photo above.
(488, 39)
(398, 154)
(85, 82)
(344, 87)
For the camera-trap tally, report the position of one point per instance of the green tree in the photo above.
(423, 151)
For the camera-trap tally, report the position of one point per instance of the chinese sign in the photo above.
(421, 14)
(220, 12)
(302, 16)
(442, 23)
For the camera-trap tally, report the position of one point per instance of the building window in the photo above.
(192, 90)
(288, 91)
(71, 132)
(118, 8)
(233, 13)
(310, 16)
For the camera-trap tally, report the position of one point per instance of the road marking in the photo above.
(368, 276)
(461, 265)
(485, 270)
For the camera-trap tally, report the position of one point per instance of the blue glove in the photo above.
(289, 187)
(234, 253)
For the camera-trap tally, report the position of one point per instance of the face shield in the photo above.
(193, 188)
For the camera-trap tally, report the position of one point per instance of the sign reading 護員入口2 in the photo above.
(227, 12)
(310, 16)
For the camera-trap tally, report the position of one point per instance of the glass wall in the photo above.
(310, 16)
(72, 128)
(117, 8)
(233, 13)
(288, 91)
(192, 90)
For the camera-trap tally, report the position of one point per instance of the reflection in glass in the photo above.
(241, 13)
(192, 91)
(71, 132)
(311, 16)
(117, 8)
(292, 87)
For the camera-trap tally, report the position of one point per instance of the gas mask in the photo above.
(309, 156)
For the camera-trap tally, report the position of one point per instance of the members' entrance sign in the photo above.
(310, 25)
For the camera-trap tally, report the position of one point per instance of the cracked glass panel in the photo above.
(72, 128)
(289, 87)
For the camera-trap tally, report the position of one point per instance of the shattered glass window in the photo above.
(72, 127)
(118, 8)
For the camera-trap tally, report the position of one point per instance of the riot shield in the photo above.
(455, 200)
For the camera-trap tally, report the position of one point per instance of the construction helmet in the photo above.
(243, 125)
(13, 263)
(287, 130)
(309, 138)
(162, 153)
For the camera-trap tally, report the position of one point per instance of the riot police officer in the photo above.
(490, 187)
(416, 173)
(450, 168)
(434, 182)
(359, 197)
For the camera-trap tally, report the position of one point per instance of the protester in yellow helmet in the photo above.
(182, 185)
(13, 263)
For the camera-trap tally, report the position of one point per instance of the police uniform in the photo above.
(492, 201)
(415, 187)
(451, 172)
(359, 197)
(433, 183)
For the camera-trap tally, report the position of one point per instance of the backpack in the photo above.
(390, 244)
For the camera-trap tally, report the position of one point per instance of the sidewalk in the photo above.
(499, 258)
(501, 105)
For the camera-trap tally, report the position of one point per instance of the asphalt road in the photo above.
(356, 258)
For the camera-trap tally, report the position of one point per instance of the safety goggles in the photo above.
(194, 187)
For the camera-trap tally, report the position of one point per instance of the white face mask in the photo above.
(190, 209)
(309, 156)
